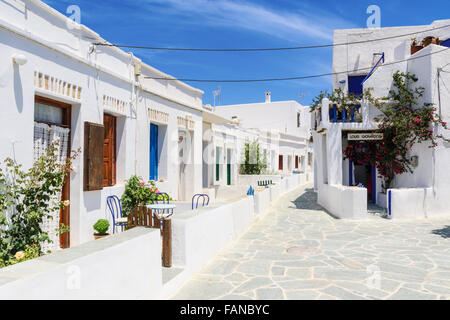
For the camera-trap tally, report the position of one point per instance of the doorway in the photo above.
(154, 152)
(229, 167)
(365, 175)
(52, 123)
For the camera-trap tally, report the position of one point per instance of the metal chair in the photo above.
(115, 208)
(198, 197)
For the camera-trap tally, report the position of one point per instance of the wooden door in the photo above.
(109, 151)
(280, 162)
(64, 122)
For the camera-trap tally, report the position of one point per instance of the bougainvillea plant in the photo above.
(403, 123)
(138, 192)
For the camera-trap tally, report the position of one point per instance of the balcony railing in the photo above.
(352, 113)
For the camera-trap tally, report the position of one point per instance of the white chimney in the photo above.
(268, 97)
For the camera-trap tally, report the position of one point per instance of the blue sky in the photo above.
(243, 24)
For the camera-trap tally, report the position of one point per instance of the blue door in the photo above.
(153, 152)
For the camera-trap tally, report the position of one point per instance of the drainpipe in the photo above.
(133, 104)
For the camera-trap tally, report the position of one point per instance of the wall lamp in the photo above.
(19, 59)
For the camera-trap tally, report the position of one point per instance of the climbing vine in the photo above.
(404, 123)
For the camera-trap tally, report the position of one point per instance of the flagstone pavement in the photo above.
(300, 252)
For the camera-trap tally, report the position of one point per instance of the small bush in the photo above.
(101, 226)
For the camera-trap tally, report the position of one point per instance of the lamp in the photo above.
(19, 59)
(415, 161)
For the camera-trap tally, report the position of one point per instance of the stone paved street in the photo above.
(299, 252)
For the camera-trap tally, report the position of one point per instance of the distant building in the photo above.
(283, 129)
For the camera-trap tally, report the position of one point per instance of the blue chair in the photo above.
(115, 208)
(204, 197)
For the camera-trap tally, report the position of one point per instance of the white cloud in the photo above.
(238, 14)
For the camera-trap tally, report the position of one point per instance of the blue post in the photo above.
(389, 202)
(335, 113)
(353, 113)
(374, 184)
(344, 115)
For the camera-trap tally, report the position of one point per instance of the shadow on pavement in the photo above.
(444, 232)
(307, 201)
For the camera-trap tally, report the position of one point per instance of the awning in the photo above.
(211, 117)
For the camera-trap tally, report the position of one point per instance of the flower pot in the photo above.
(415, 49)
(97, 236)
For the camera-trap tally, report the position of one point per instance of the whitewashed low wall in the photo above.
(198, 236)
(262, 201)
(123, 266)
(252, 180)
(230, 193)
(274, 192)
(344, 202)
(407, 203)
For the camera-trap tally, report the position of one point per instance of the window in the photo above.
(109, 151)
(296, 162)
(280, 162)
(298, 119)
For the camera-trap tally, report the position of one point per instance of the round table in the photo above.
(159, 210)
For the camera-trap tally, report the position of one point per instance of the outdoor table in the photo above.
(161, 211)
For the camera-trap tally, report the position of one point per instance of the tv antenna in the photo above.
(302, 96)
(217, 94)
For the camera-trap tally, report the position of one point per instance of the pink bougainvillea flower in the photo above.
(142, 183)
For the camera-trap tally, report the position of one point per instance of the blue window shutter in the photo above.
(355, 84)
(153, 152)
(446, 43)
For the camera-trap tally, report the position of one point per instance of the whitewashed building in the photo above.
(371, 63)
(55, 84)
(282, 128)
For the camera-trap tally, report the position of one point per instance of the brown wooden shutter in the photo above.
(296, 162)
(93, 156)
(280, 162)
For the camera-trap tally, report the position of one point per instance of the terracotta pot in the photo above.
(96, 236)
(415, 49)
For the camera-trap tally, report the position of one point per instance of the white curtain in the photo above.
(44, 136)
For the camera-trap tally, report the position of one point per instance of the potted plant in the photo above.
(415, 47)
(101, 226)
(430, 40)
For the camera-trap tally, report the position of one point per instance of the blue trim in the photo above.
(350, 169)
(373, 69)
(352, 114)
(389, 202)
(374, 184)
(344, 115)
(335, 112)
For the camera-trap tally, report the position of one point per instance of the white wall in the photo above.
(108, 268)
